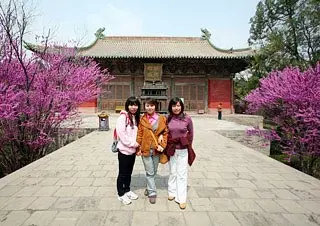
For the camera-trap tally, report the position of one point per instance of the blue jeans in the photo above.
(151, 166)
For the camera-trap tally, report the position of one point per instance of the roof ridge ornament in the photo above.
(205, 33)
(99, 33)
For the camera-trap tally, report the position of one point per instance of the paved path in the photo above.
(229, 184)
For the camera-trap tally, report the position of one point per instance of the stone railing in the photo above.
(63, 138)
(248, 120)
(257, 143)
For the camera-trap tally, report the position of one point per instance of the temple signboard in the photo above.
(152, 72)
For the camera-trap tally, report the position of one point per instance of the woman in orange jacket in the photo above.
(151, 126)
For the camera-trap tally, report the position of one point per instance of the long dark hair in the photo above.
(172, 102)
(133, 101)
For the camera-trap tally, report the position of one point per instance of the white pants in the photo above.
(177, 183)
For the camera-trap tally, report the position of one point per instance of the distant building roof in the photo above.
(159, 47)
(152, 47)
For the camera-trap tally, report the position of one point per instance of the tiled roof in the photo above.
(159, 47)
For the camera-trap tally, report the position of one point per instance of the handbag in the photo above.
(163, 158)
(114, 148)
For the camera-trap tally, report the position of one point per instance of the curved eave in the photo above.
(89, 46)
(228, 50)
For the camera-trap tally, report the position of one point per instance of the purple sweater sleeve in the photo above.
(190, 128)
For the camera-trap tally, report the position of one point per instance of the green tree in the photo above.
(243, 85)
(286, 32)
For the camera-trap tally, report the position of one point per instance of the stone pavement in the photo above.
(229, 184)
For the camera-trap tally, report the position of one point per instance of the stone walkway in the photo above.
(229, 184)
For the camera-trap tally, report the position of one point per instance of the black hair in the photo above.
(151, 101)
(133, 101)
(172, 102)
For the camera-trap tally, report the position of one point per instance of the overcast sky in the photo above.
(71, 20)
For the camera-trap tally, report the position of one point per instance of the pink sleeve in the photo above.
(121, 128)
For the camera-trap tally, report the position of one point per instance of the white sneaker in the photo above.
(124, 199)
(131, 195)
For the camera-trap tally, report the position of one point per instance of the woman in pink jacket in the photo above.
(127, 127)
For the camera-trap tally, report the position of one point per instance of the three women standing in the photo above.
(151, 135)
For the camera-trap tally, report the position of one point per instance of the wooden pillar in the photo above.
(172, 91)
(206, 94)
(132, 86)
(232, 94)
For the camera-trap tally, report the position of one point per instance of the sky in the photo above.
(78, 20)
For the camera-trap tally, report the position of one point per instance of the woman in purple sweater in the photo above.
(179, 148)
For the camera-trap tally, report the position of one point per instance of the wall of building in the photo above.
(219, 91)
(202, 83)
(89, 104)
(198, 93)
(193, 90)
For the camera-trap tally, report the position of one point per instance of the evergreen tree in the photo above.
(286, 32)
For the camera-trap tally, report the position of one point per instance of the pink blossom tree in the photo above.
(39, 92)
(291, 99)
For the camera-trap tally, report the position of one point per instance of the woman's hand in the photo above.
(136, 145)
(160, 139)
(160, 149)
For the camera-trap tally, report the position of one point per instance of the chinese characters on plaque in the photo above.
(153, 72)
